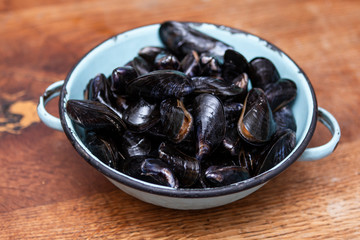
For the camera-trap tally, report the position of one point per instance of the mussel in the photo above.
(222, 176)
(176, 120)
(280, 147)
(256, 124)
(160, 172)
(210, 66)
(141, 115)
(209, 124)
(140, 65)
(190, 64)
(161, 84)
(285, 119)
(235, 64)
(181, 39)
(93, 115)
(185, 167)
(150, 52)
(135, 144)
(262, 72)
(120, 78)
(218, 87)
(280, 93)
(232, 140)
(106, 148)
(166, 60)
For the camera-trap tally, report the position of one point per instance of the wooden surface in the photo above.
(47, 191)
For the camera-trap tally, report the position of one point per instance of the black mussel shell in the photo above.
(161, 84)
(93, 115)
(176, 120)
(181, 39)
(160, 172)
(209, 120)
(132, 168)
(120, 77)
(135, 144)
(262, 72)
(216, 86)
(256, 124)
(186, 168)
(280, 93)
(141, 115)
(280, 147)
(222, 176)
(285, 119)
(141, 66)
(232, 140)
(150, 52)
(106, 148)
(190, 64)
(166, 60)
(99, 89)
(250, 158)
(235, 64)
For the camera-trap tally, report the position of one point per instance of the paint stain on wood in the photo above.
(17, 115)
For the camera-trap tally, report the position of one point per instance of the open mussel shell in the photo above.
(181, 39)
(280, 93)
(141, 115)
(209, 120)
(185, 167)
(262, 72)
(222, 176)
(280, 147)
(176, 120)
(256, 124)
(161, 84)
(160, 172)
(93, 115)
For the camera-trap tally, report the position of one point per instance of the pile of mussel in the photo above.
(182, 115)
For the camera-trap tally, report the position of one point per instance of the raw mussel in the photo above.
(256, 124)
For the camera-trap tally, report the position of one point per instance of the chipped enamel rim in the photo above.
(71, 85)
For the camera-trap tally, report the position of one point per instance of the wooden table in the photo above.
(48, 191)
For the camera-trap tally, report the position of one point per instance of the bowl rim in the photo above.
(183, 192)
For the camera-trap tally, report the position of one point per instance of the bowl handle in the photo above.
(51, 92)
(319, 152)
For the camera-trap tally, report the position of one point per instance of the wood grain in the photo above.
(48, 192)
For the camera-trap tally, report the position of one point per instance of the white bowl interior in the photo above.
(120, 49)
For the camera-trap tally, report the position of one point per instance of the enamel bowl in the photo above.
(118, 50)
